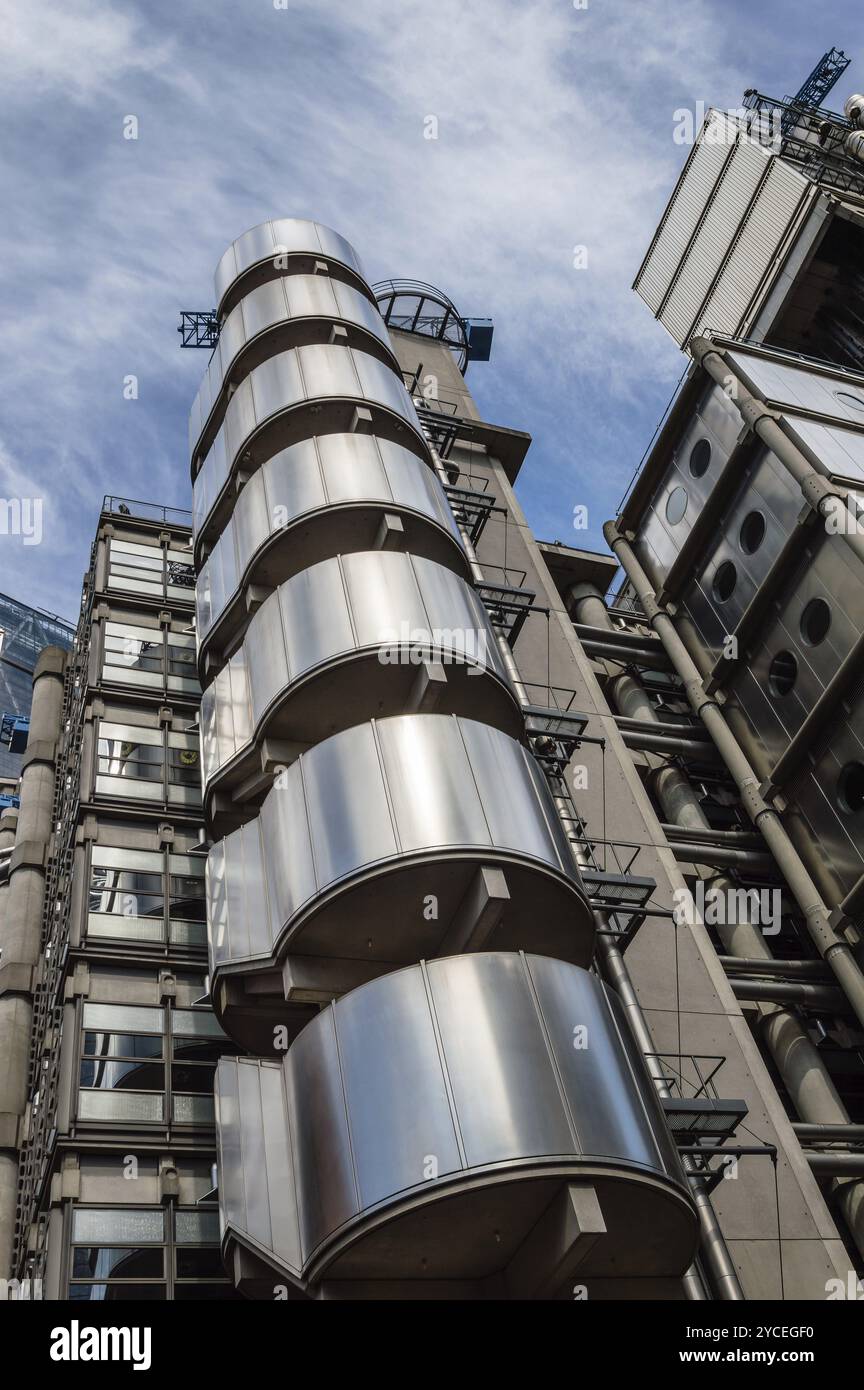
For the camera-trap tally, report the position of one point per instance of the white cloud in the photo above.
(554, 130)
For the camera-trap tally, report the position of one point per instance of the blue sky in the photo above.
(555, 130)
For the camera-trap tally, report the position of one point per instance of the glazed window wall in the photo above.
(150, 658)
(152, 570)
(143, 1065)
(138, 895)
(123, 1254)
(148, 764)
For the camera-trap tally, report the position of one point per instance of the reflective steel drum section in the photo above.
(284, 313)
(322, 497)
(285, 245)
(368, 849)
(318, 389)
(476, 1126)
(350, 640)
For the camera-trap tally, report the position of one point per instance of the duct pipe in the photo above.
(836, 1163)
(21, 928)
(816, 914)
(823, 997)
(712, 1243)
(798, 1060)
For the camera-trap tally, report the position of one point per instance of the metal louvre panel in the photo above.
(682, 215)
(715, 235)
(754, 251)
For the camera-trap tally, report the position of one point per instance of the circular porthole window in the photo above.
(850, 788)
(815, 622)
(752, 532)
(724, 581)
(848, 398)
(700, 457)
(676, 505)
(782, 673)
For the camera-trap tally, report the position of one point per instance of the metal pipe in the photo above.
(816, 914)
(742, 965)
(714, 1246)
(823, 997)
(720, 856)
(645, 741)
(21, 927)
(799, 1062)
(836, 1163)
(851, 1133)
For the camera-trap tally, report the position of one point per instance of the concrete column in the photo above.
(21, 927)
(797, 1058)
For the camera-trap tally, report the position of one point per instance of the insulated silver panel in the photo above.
(433, 1115)
(384, 613)
(333, 492)
(279, 308)
(281, 236)
(389, 813)
(315, 373)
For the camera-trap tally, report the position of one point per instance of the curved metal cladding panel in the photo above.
(421, 1126)
(343, 642)
(318, 373)
(368, 844)
(325, 496)
(270, 312)
(279, 238)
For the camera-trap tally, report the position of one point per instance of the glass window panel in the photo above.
(124, 1225)
(198, 1293)
(196, 1023)
(200, 1264)
(200, 1227)
(193, 1110)
(122, 1045)
(96, 1262)
(116, 1293)
(188, 933)
(133, 1106)
(197, 1079)
(187, 898)
(184, 766)
(192, 1049)
(110, 1074)
(122, 1018)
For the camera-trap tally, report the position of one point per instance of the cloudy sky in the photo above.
(555, 131)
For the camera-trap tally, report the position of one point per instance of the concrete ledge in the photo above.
(42, 751)
(17, 977)
(30, 854)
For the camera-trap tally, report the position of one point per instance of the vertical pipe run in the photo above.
(799, 1062)
(21, 928)
(713, 1245)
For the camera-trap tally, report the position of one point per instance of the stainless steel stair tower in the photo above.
(443, 1100)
